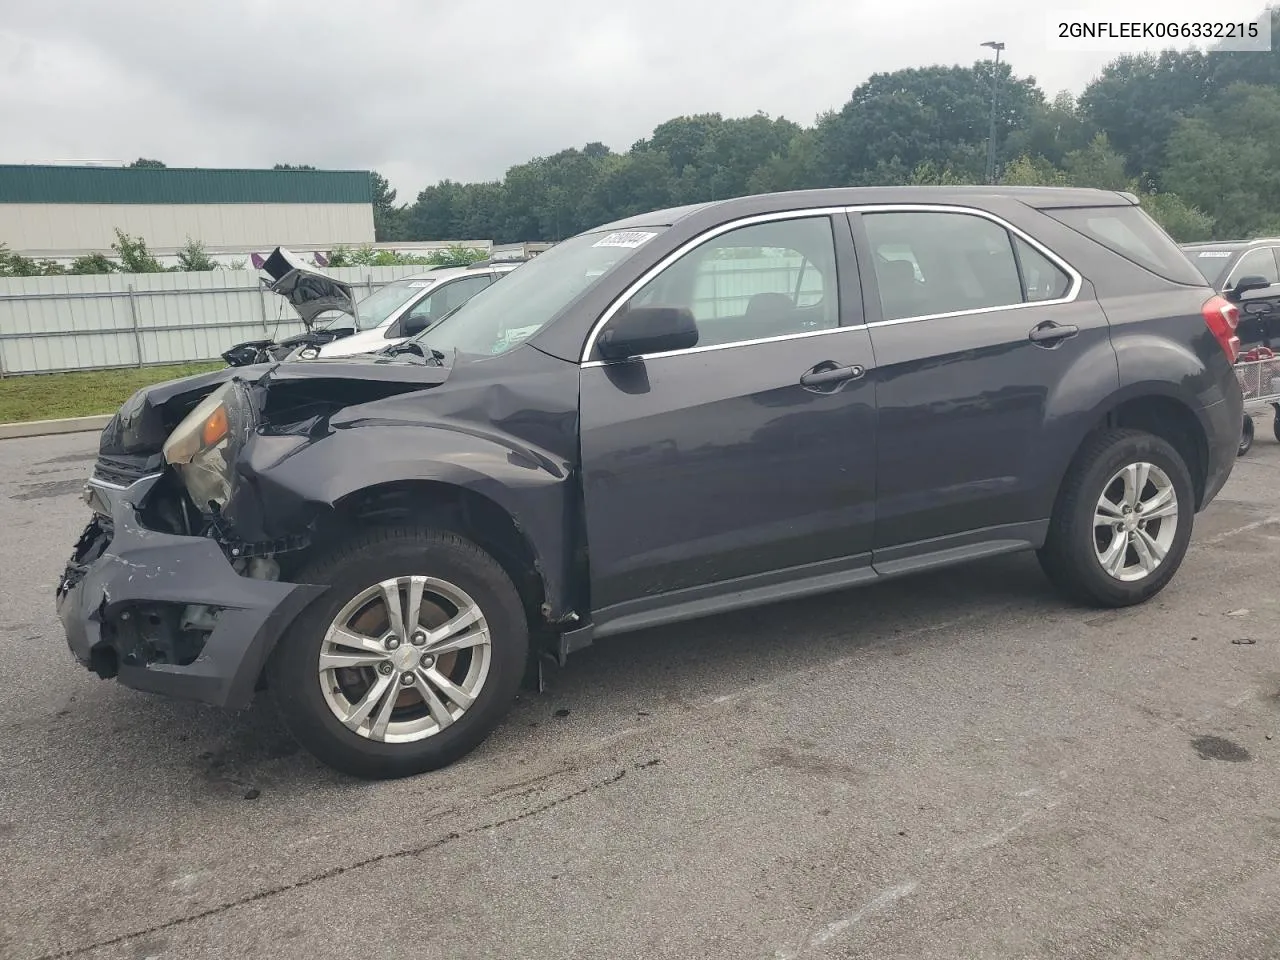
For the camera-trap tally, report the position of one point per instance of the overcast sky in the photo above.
(421, 89)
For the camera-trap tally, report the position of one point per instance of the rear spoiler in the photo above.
(307, 289)
(1066, 198)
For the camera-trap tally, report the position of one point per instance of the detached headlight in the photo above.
(203, 447)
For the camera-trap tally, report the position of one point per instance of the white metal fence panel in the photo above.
(51, 324)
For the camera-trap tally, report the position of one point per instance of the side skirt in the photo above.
(803, 581)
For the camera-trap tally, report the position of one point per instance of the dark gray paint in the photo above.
(651, 490)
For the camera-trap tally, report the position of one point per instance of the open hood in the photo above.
(309, 291)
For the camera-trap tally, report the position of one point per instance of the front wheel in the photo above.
(408, 660)
(1122, 522)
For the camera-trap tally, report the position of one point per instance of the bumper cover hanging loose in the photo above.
(119, 567)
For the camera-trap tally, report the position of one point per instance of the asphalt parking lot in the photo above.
(959, 765)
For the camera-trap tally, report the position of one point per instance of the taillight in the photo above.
(1222, 317)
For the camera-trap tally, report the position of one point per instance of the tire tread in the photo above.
(1063, 558)
(290, 662)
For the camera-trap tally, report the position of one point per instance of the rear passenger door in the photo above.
(978, 334)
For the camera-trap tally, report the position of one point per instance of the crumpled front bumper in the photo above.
(120, 567)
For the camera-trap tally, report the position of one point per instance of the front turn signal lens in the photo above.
(215, 427)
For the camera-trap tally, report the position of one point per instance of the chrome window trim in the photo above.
(1072, 291)
(692, 244)
(587, 364)
(1077, 281)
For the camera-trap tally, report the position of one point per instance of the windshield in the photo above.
(374, 309)
(507, 313)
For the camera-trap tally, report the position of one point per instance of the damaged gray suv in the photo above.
(691, 411)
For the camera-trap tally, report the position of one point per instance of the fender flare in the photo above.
(532, 487)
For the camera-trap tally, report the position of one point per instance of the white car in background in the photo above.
(406, 307)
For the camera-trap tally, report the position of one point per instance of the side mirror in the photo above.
(411, 326)
(642, 330)
(1245, 284)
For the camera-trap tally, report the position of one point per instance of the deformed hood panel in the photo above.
(309, 291)
(145, 420)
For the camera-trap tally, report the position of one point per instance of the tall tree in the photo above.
(896, 121)
(1138, 100)
(388, 219)
(1052, 131)
(1234, 176)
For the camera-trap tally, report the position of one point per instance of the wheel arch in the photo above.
(1158, 409)
(517, 499)
(458, 509)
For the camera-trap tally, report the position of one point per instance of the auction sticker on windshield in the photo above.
(625, 238)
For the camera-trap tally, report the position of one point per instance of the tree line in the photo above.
(1191, 132)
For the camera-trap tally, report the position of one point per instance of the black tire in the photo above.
(1068, 556)
(1246, 436)
(381, 554)
(1275, 424)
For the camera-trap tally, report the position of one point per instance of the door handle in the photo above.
(828, 374)
(1051, 334)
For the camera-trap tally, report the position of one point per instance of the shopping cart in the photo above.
(1258, 373)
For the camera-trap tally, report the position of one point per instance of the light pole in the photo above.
(997, 46)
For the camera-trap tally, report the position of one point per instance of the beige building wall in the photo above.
(59, 230)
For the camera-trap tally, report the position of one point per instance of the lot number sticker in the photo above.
(625, 238)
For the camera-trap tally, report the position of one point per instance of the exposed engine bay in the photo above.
(209, 437)
(313, 294)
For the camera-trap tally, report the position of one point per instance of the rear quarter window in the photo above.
(1129, 232)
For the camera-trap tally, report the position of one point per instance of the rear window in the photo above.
(1135, 236)
(1210, 263)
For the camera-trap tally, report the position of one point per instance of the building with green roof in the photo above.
(64, 211)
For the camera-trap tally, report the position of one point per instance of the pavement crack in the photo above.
(337, 871)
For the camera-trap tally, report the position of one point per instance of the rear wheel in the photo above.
(408, 660)
(1246, 436)
(1122, 522)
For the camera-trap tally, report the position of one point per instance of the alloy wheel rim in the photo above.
(404, 659)
(1135, 521)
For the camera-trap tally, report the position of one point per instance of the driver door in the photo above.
(726, 472)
